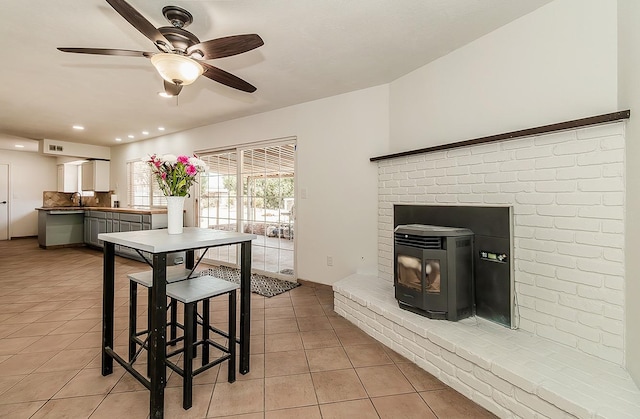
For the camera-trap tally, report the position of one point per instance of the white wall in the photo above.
(629, 88)
(335, 139)
(30, 174)
(555, 64)
(558, 63)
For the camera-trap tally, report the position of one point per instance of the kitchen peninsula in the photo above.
(66, 226)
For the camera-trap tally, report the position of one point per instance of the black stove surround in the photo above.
(490, 261)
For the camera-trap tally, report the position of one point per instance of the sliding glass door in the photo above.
(218, 203)
(251, 189)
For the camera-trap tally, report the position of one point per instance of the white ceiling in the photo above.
(313, 49)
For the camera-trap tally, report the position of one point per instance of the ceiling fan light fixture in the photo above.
(176, 68)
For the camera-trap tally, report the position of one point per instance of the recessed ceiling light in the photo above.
(131, 136)
(145, 132)
(78, 127)
(164, 94)
(118, 139)
(19, 146)
(160, 128)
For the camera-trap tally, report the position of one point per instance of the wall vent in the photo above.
(53, 147)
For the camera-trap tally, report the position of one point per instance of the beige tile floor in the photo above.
(306, 361)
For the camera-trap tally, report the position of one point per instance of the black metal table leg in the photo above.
(187, 367)
(108, 275)
(206, 306)
(158, 335)
(190, 260)
(174, 321)
(245, 305)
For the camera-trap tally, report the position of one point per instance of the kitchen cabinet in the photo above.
(58, 228)
(95, 176)
(96, 222)
(77, 226)
(128, 222)
(67, 178)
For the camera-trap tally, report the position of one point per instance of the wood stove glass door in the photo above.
(434, 267)
(409, 275)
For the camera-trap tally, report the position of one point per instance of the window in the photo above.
(143, 190)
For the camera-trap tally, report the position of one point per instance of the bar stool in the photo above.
(145, 278)
(190, 292)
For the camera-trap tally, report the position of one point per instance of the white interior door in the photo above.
(4, 202)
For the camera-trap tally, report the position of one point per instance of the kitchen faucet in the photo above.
(79, 198)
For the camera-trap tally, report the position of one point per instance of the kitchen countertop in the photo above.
(107, 209)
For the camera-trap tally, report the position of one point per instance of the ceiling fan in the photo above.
(179, 60)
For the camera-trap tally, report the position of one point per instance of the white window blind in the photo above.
(142, 187)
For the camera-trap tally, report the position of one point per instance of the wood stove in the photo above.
(433, 270)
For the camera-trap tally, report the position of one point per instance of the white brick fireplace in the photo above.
(567, 194)
(566, 191)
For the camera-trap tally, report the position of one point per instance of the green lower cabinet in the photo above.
(60, 228)
(96, 222)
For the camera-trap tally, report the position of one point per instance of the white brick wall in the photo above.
(567, 194)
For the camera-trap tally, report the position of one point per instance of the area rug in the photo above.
(260, 284)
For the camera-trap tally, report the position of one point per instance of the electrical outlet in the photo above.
(329, 261)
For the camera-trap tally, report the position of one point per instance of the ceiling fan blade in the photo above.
(227, 46)
(108, 51)
(172, 89)
(139, 22)
(228, 79)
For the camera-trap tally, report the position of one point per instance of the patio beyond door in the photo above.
(252, 190)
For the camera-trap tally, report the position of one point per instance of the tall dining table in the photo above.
(157, 244)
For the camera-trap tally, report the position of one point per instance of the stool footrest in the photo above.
(220, 332)
(217, 345)
(211, 364)
(200, 370)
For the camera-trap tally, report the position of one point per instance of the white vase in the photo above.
(175, 214)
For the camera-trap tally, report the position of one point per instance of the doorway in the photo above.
(251, 189)
(4, 202)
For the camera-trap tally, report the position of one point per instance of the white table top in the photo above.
(158, 241)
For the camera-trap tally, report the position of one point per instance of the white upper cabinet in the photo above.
(95, 176)
(67, 178)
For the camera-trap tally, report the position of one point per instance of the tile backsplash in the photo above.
(52, 199)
